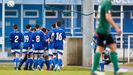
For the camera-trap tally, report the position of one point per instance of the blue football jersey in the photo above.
(46, 43)
(59, 36)
(51, 43)
(38, 39)
(15, 38)
(27, 36)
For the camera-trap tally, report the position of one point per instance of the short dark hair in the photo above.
(33, 29)
(58, 23)
(15, 26)
(28, 26)
(36, 26)
(48, 30)
(53, 25)
(44, 30)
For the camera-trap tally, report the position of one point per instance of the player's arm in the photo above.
(64, 37)
(52, 36)
(112, 23)
(108, 17)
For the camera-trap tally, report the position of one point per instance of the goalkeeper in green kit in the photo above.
(104, 37)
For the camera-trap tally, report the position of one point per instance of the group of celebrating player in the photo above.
(39, 46)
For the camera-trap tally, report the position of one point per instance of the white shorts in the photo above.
(27, 51)
(60, 51)
(38, 51)
(14, 51)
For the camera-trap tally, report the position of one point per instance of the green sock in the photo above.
(96, 61)
(114, 60)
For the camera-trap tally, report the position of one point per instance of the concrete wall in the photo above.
(73, 51)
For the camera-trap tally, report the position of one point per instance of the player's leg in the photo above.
(46, 57)
(113, 54)
(97, 54)
(35, 59)
(96, 58)
(17, 53)
(30, 60)
(47, 62)
(114, 59)
(41, 59)
(50, 58)
(60, 55)
(102, 62)
(23, 58)
(14, 57)
(58, 60)
(55, 60)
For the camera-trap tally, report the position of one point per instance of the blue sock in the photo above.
(13, 60)
(26, 64)
(30, 63)
(55, 60)
(16, 62)
(21, 62)
(51, 61)
(47, 64)
(60, 62)
(41, 62)
(102, 65)
(35, 63)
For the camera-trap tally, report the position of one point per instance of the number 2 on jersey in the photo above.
(16, 39)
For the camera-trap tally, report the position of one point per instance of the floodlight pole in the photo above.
(44, 14)
(3, 25)
(72, 19)
(22, 18)
(121, 22)
(88, 30)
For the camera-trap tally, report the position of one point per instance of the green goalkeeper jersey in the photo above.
(103, 25)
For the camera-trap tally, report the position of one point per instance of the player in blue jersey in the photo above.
(15, 39)
(58, 36)
(27, 49)
(51, 52)
(45, 31)
(38, 38)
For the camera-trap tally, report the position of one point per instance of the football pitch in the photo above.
(68, 70)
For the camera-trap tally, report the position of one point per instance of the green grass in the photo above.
(130, 65)
(68, 70)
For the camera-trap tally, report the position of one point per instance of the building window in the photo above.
(31, 14)
(95, 14)
(116, 14)
(131, 14)
(67, 14)
(51, 14)
(7, 23)
(11, 13)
